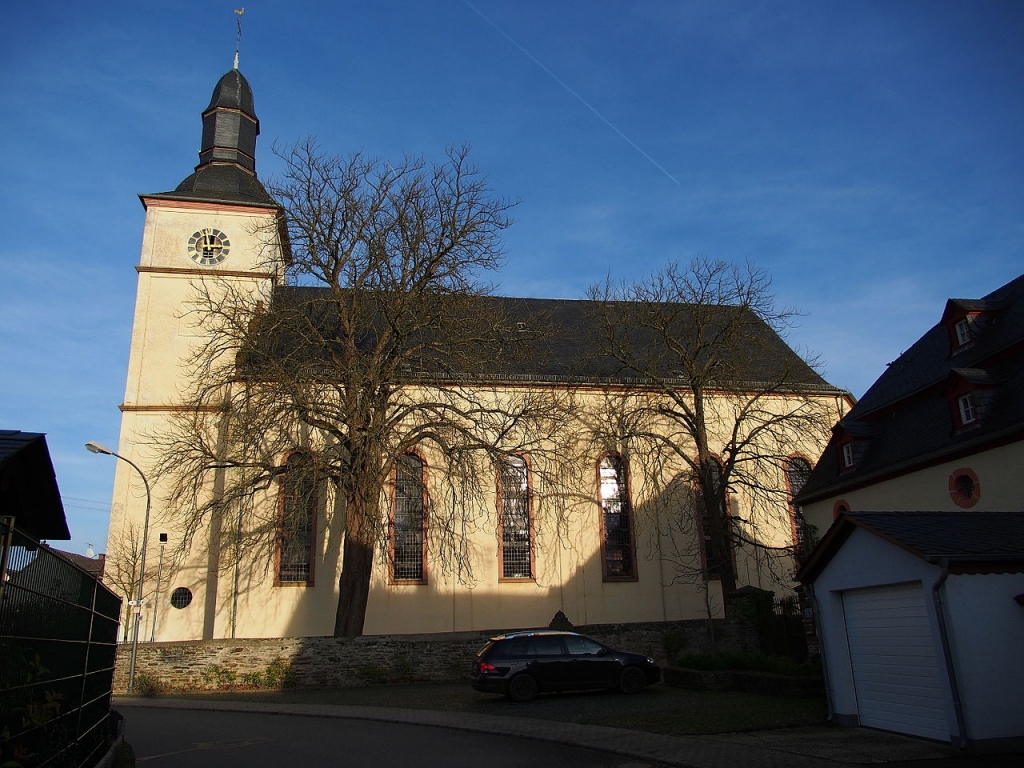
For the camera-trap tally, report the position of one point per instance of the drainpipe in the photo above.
(947, 653)
(809, 589)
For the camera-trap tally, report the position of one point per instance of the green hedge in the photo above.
(753, 662)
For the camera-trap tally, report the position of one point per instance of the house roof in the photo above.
(28, 486)
(94, 566)
(969, 541)
(905, 419)
(554, 340)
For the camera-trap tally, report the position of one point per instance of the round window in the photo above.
(181, 597)
(964, 488)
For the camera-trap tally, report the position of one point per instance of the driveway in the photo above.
(568, 719)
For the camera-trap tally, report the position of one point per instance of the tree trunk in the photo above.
(360, 542)
(353, 587)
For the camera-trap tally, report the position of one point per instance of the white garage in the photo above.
(920, 623)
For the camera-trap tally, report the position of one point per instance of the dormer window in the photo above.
(963, 331)
(968, 411)
(848, 458)
(969, 392)
(850, 443)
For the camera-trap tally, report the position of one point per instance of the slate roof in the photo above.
(988, 541)
(233, 92)
(227, 157)
(216, 183)
(905, 418)
(28, 486)
(555, 341)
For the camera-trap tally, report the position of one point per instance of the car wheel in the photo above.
(632, 680)
(522, 687)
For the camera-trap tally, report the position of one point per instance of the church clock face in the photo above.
(208, 247)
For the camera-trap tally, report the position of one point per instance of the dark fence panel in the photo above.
(781, 630)
(58, 643)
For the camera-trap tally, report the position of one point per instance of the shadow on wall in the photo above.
(668, 554)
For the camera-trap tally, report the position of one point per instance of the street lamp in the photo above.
(94, 447)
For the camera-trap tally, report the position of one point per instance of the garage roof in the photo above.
(972, 542)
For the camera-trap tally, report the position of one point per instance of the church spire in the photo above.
(230, 125)
(227, 156)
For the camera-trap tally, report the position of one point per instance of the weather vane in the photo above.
(238, 38)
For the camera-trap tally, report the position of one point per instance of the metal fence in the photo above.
(58, 636)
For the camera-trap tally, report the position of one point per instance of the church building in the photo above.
(616, 539)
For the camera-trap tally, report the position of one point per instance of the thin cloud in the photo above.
(566, 86)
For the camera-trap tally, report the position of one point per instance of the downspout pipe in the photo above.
(947, 653)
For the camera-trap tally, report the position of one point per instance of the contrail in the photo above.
(565, 85)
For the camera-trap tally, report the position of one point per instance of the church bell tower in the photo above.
(218, 230)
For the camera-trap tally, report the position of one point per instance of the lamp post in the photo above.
(94, 447)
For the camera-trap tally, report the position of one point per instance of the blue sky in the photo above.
(868, 154)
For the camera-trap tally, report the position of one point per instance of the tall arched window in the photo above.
(408, 521)
(798, 470)
(297, 521)
(515, 520)
(616, 521)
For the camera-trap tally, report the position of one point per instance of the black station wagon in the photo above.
(522, 664)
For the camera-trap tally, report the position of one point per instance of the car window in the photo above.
(582, 646)
(487, 649)
(546, 645)
(512, 648)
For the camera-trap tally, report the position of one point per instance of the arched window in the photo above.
(515, 519)
(616, 521)
(798, 470)
(297, 521)
(408, 521)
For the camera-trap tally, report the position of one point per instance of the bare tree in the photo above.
(121, 570)
(718, 393)
(383, 339)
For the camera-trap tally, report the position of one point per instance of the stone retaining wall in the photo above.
(334, 661)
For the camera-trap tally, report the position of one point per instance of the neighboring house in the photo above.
(91, 565)
(604, 553)
(942, 428)
(28, 486)
(918, 584)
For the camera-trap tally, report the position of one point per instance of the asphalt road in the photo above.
(165, 738)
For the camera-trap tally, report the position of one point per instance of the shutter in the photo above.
(893, 656)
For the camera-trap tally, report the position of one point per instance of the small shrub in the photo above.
(755, 662)
(374, 674)
(708, 662)
(253, 680)
(675, 640)
(279, 674)
(219, 677)
(146, 684)
(403, 670)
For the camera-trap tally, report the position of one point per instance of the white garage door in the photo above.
(894, 661)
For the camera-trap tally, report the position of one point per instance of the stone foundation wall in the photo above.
(334, 661)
